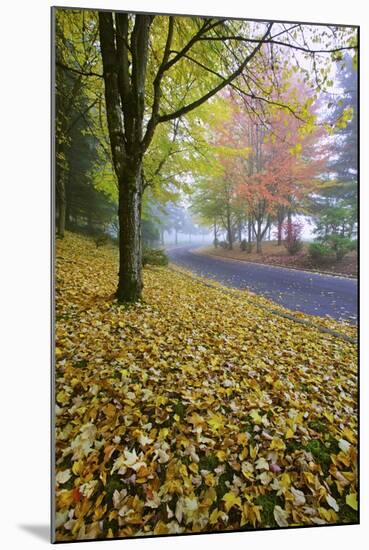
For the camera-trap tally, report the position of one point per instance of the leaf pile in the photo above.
(193, 411)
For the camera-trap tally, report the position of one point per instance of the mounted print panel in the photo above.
(205, 259)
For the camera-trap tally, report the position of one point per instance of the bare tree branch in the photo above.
(77, 71)
(225, 81)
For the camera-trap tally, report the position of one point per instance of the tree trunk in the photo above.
(281, 214)
(239, 229)
(60, 189)
(176, 236)
(130, 245)
(229, 229)
(258, 244)
(279, 233)
(215, 235)
(258, 238)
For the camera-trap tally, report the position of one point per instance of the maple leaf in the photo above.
(230, 500)
(216, 422)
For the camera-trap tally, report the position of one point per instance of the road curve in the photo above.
(312, 293)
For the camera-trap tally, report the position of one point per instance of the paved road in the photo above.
(311, 293)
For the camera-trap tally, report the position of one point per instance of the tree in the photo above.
(75, 52)
(125, 44)
(160, 69)
(335, 205)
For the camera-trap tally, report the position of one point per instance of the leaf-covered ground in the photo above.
(194, 410)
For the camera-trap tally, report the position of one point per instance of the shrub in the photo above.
(294, 247)
(340, 245)
(223, 244)
(243, 245)
(246, 246)
(154, 256)
(320, 252)
(291, 232)
(101, 240)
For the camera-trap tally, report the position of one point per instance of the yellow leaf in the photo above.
(109, 410)
(250, 514)
(231, 500)
(285, 481)
(349, 435)
(214, 516)
(351, 500)
(242, 439)
(289, 433)
(255, 416)
(210, 480)
(163, 433)
(183, 470)
(77, 467)
(161, 400)
(329, 416)
(277, 444)
(62, 397)
(329, 515)
(253, 451)
(221, 455)
(216, 422)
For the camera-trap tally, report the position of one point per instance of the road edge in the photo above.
(278, 266)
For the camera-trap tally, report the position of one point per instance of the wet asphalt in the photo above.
(312, 293)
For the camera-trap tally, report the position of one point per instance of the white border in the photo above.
(25, 264)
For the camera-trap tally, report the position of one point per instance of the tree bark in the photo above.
(215, 235)
(258, 241)
(62, 204)
(239, 229)
(125, 94)
(130, 242)
(279, 233)
(229, 229)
